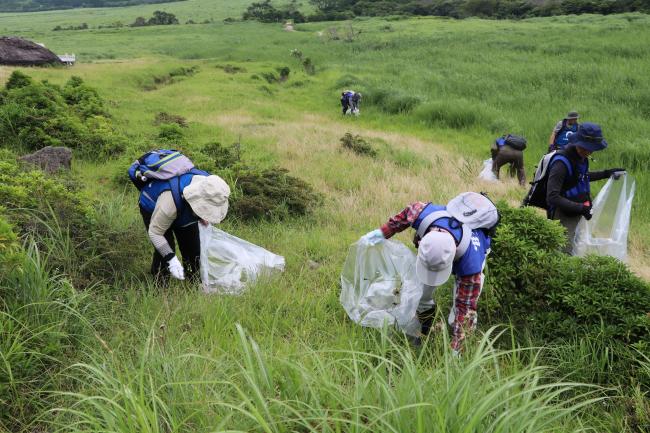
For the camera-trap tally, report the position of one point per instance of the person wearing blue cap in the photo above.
(563, 130)
(568, 193)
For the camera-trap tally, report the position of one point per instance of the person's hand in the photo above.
(175, 268)
(204, 223)
(586, 211)
(374, 237)
(616, 172)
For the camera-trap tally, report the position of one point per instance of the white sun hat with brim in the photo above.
(208, 197)
(435, 258)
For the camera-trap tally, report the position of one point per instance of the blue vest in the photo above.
(562, 137)
(449, 224)
(150, 193)
(576, 187)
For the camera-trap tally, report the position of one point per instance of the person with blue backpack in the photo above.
(452, 239)
(174, 198)
(509, 150)
(568, 193)
(346, 100)
(563, 130)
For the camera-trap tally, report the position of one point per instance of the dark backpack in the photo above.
(537, 194)
(515, 141)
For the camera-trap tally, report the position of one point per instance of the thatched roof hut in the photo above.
(21, 52)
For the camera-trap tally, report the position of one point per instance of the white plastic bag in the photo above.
(228, 263)
(379, 286)
(606, 233)
(487, 173)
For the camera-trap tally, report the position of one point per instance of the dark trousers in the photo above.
(189, 243)
(508, 155)
(345, 105)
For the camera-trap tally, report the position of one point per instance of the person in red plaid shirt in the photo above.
(440, 255)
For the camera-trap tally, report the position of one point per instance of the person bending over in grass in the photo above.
(567, 190)
(453, 239)
(562, 131)
(509, 150)
(174, 198)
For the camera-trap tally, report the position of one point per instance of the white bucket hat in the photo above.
(208, 197)
(435, 258)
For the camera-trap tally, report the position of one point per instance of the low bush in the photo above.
(452, 114)
(357, 144)
(35, 115)
(231, 69)
(170, 77)
(171, 134)
(555, 297)
(163, 117)
(220, 157)
(271, 194)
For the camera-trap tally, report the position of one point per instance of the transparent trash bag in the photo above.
(379, 286)
(487, 173)
(228, 263)
(606, 233)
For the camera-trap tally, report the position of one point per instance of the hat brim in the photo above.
(429, 277)
(209, 212)
(592, 147)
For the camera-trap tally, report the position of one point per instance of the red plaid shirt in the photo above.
(468, 288)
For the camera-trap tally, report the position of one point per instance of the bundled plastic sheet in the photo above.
(379, 286)
(606, 233)
(487, 173)
(228, 263)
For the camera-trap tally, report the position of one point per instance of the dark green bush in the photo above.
(271, 194)
(171, 134)
(163, 117)
(34, 115)
(220, 156)
(556, 297)
(357, 144)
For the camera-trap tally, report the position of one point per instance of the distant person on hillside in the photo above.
(568, 193)
(174, 198)
(346, 100)
(452, 239)
(356, 98)
(509, 149)
(563, 130)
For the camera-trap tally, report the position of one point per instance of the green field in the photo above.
(170, 359)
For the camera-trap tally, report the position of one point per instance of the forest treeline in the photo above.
(331, 10)
(46, 5)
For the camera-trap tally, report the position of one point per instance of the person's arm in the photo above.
(465, 307)
(604, 174)
(161, 220)
(557, 175)
(402, 220)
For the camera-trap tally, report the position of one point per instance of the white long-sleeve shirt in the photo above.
(162, 219)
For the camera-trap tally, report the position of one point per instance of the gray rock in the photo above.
(50, 159)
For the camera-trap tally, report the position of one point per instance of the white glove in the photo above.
(176, 269)
(374, 237)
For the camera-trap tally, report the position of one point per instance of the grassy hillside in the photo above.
(156, 359)
(45, 5)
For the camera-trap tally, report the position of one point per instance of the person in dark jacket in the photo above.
(568, 190)
(503, 154)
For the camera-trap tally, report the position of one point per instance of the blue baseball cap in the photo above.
(589, 136)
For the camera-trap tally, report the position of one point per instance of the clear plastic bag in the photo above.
(606, 233)
(379, 286)
(487, 173)
(228, 263)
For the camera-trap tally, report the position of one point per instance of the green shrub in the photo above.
(171, 133)
(34, 115)
(357, 144)
(553, 296)
(220, 156)
(271, 194)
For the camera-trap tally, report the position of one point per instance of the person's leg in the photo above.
(158, 264)
(500, 160)
(189, 243)
(426, 311)
(569, 222)
(519, 166)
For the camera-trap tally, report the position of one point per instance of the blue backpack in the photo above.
(161, 164)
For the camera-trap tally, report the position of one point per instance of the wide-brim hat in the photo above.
(572, 115)
(435, 259)
(208, 197)
(589, 136)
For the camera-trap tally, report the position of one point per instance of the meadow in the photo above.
(284, 357)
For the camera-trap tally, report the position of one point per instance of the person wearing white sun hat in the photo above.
(447, 244)
(173, 208)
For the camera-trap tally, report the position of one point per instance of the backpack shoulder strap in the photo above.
(565, 160)
(462, 247)
(175, 189)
